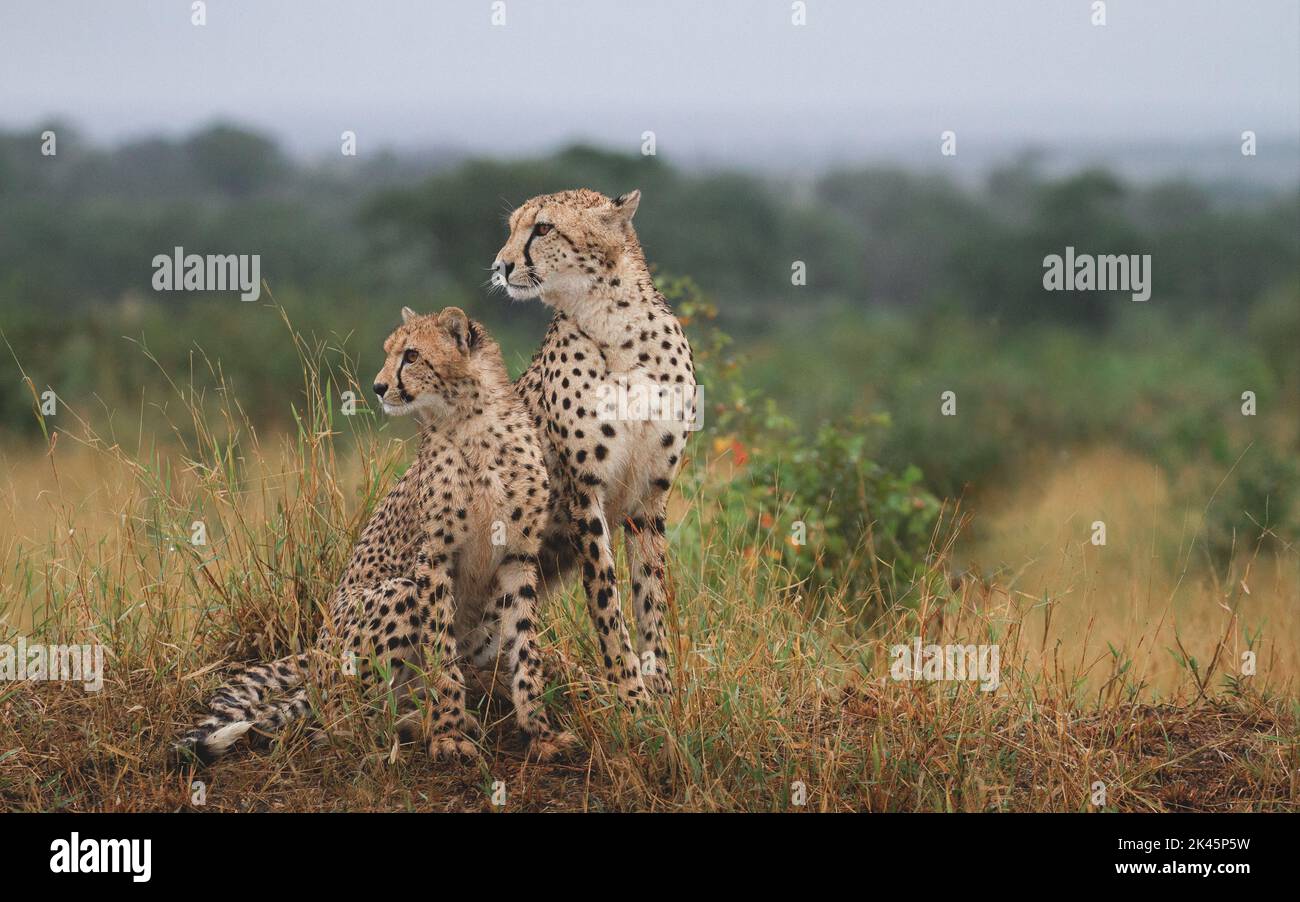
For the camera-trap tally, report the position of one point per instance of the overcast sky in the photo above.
(722, 80)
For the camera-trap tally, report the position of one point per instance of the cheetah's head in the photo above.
(564, 245)
(429, 364)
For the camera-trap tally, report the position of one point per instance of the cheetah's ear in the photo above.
(623, 207)
(625, 204)
(459, 327)
(408, 314)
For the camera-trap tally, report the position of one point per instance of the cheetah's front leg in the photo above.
(516, 610)
(647, 554)
(447, 721)
(596, 557)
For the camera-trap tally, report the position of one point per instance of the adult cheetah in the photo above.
(613, 344)
(444, 571)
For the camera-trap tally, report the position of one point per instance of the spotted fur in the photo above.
(444, 572)
(612, 332)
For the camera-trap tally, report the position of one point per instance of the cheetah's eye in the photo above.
(542, 228)
(411, 355)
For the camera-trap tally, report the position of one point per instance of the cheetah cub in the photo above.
(445, 570)
(612, 392)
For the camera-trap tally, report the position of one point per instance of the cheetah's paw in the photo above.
(552, 747)
(453, 745)
(659, 683)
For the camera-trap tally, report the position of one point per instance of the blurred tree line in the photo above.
(81, 228)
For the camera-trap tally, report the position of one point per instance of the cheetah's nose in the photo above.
(381, 388)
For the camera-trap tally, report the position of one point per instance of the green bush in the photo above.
(839, 517)
(1255, 505)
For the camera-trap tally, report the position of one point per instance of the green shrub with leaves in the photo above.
(843, 519)
(840, 517)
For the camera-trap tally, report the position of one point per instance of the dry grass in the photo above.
(94, 548)
(1151, 589)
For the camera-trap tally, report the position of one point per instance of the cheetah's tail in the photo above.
(244, 704)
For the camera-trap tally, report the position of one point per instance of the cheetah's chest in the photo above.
(484, 541)
(623, 429)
